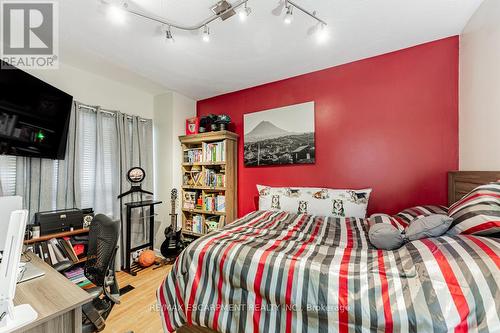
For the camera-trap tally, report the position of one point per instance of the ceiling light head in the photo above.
(205, 36)
(322, 33)
(116, 12)
(289, 15)
(244, 13)
(169, 36)
(312, 30)
(279, 8)
(223, 9)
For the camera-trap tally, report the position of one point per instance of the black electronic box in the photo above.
(59, 221)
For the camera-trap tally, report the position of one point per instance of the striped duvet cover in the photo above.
(282, 272)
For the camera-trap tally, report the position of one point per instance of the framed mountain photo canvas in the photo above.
(280, 136)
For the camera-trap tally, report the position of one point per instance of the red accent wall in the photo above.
(388, 122)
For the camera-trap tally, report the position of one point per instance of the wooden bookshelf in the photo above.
(206, 188)
(204, 163)
(56, 235)
(221, 164)
(201, 211)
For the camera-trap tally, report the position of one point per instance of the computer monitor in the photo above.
(7, 206)
(13, 317)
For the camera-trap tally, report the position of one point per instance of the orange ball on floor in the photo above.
(146, 258)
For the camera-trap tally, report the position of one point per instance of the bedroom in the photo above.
(255, 165)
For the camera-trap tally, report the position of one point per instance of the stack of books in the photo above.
(55, 250)
(214, 179)
(197, 224)
(77, 276)
(215, 203)
(193, 155)
(214, 152)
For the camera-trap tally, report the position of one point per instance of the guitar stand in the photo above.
(130, 268)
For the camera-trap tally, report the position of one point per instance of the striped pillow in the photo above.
(411, 214)
(478, 212)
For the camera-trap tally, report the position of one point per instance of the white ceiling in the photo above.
(260, 50)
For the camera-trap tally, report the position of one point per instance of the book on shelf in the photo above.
(70, 251)
(63, 248)
(220, 203)
(210, 183)
(194, 155)
(53, 258)
(214, 152)
(215, 202)
(55, 250)
(209, 203)
(38, 249)
(77, 276)
(214, 179)
(197, 224)
(45, 253)
(58, 251)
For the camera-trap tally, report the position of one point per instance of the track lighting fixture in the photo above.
(244, 13)
(322, 33)
(205, 36)
(117, 11)
(289, 15)
(279, 8)
(168, 35)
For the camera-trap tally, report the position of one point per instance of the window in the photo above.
(90, 176)
(99, 161)
(88, 154)
(8, 167)
(55, 181)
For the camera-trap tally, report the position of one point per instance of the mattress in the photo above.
(283, 272)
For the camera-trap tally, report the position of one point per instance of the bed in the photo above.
(283, 272)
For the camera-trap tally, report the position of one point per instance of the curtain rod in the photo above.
(110, 112)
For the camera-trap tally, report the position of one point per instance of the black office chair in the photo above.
(100, 270)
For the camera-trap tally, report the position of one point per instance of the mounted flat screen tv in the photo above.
(34, 116)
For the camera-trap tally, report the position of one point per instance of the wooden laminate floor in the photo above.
(137, 312)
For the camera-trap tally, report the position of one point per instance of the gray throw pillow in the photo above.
(428, 226)
(385, 236)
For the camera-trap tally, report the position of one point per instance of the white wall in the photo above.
(183, 108)
(91, 88)
(170, 113)
(480, 90)
(163, 156)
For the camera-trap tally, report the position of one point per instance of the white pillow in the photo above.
(315, 201)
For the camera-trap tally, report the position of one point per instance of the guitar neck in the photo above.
(173, 216)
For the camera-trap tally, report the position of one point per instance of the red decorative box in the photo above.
(192, 125)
